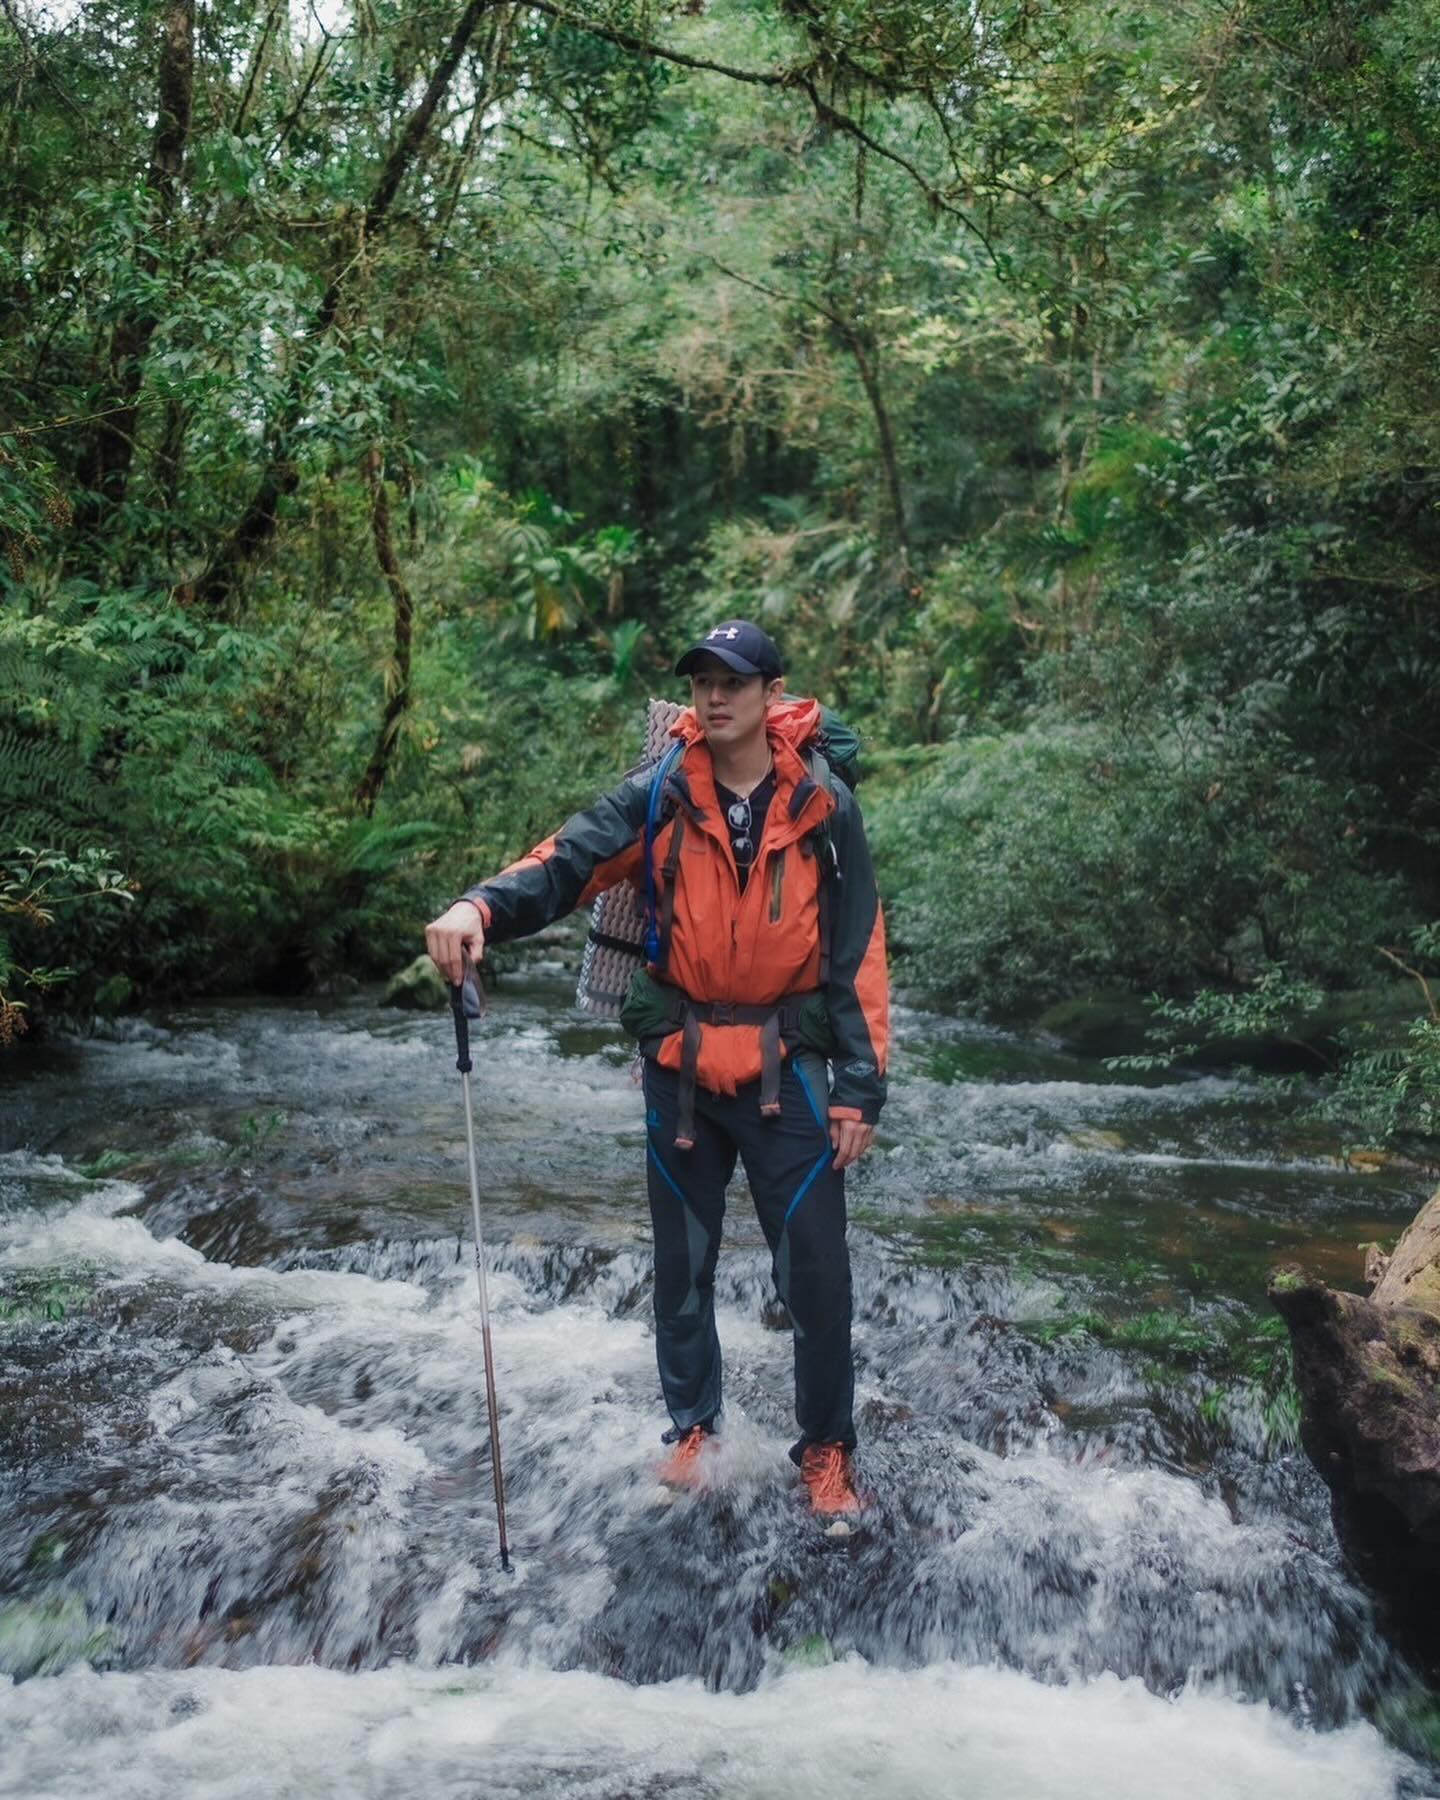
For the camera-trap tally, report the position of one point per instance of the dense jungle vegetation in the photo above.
(386, 389)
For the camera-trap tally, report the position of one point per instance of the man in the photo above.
(768, 956)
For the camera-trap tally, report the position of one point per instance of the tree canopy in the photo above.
(384, 388)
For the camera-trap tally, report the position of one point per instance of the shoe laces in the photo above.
(686, 1448)
(827, 1474)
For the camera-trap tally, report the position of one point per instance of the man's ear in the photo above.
(774, 692)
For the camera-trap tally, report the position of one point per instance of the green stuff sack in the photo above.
(837, 742)
(648, 1011)
(813, 1028)
(840, 746)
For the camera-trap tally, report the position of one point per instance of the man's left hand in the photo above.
(851, 1138)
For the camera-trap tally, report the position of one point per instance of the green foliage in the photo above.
(1388, 1093)
(1028, 867)
(33, 883)
(48, 1634)
(41, 1302)
(1058, 383)
(1381, 1087)
(1272, 1009)
(556, 585)
(1411, 1720)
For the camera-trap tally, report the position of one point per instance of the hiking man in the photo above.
(767, 960)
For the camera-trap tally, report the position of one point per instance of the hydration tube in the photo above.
(652, 816)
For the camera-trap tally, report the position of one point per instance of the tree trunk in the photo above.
(1368, 1371)
(397, 676)
(280, 475)
(104, 464)
(890, 462)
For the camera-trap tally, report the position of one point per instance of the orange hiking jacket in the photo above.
(750, 947)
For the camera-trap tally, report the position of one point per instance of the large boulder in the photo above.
(419, 987)
(1368, 1372)
(1103, 1022)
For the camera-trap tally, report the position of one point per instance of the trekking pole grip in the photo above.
(465, 1004)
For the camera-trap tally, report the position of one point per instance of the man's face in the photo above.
(730, 707)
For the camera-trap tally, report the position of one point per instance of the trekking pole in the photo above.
(458, 996)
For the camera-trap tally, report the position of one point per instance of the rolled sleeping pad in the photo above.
(615, 944)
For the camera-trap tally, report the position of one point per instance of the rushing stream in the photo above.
(247, 1542)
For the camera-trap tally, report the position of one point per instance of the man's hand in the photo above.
(452, 936)
(851, 1139)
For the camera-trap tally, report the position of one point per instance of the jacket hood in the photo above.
(793, 722)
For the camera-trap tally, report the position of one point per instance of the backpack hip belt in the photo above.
(778, 1020)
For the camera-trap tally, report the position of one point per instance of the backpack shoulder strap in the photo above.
(822, 848)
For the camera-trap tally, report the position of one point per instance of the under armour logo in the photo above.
(720, 631)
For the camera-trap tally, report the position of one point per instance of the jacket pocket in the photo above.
(777, 886)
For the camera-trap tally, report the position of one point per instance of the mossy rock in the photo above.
(1104, 1022)
(812, 1652)
(41, 1637)
(419, 987)
(1093, 1137)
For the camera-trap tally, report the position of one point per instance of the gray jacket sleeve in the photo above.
(857, 993)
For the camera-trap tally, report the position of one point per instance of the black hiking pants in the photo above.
(800, 1200)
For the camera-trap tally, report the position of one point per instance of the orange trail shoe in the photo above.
(681, 1467)
(825, 1470)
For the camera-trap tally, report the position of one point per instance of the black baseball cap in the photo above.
(741, 646)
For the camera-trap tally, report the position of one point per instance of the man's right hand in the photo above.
(453, 936)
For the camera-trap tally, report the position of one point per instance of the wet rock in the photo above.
(1093, 1137)
(41, 1637)
(1368, 1373)
(1105, 1022)
(338, 985)
(1376, 1162)
(419, 987)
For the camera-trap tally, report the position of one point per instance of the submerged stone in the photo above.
(1094, 1137)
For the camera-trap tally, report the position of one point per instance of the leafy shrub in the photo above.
(1062, 857)
(1381, 1088)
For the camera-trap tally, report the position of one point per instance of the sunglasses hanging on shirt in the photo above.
(741, 842)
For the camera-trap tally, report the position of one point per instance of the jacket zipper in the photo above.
(721, 840)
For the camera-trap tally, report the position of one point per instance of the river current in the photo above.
(247, 1539)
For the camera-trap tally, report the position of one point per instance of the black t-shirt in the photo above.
(745, 820)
